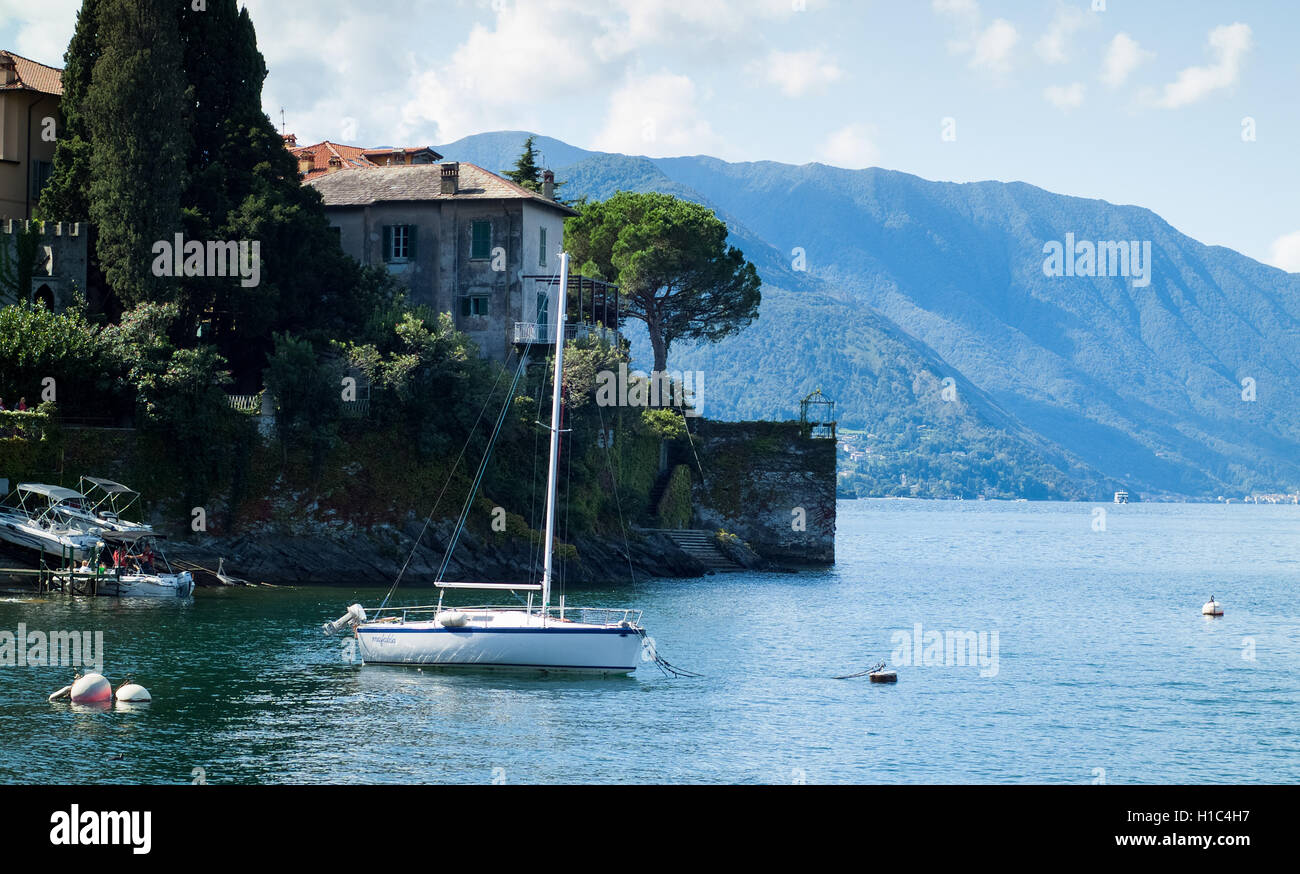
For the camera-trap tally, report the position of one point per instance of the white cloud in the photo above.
(1229, 44)
(992, 51)
(42, 30)
(1053, 45)
(1065, 97)
(962, 9)
(799, 73)
(657, 115)
(851, 147)
(494, 78)
(1285, 252)
(513, 71)
(1123, 56)
(989, 47)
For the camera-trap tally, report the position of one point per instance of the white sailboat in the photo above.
(529, 637)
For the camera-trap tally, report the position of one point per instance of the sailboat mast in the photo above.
(548, 564)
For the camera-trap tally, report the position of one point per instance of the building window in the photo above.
(399, 243)
(541, 247)
(41, 172)
(481, 247)
(476, 305)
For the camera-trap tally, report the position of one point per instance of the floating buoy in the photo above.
(133, 693)
(1212, 608)
(877, 674)
(62, 693)
(91, 689)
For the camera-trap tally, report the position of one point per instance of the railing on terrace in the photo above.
(544, 334)
(251, 404)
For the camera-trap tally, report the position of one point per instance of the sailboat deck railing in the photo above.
(584, 615)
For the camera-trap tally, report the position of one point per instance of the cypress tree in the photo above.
(244, 186)
(164, 132)
(66, 197)
(134, 110)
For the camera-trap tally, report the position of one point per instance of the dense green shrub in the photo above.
(674, 510)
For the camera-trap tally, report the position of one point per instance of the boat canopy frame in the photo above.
(111, 492)
(56, 494)
(129, 539)
(57, 501)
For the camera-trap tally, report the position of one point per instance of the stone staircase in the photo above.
(701, 546)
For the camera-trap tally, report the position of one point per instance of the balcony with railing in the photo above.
(543, 333)
(594, 308)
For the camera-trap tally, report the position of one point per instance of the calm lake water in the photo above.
(1104, 669)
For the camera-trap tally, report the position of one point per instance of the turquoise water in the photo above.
(1104, 670)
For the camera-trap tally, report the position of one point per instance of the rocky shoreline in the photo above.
(374, 557)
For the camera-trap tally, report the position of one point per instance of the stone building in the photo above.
(29, 116)
(465, 241)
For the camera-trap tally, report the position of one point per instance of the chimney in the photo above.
(306, 162)
(451, 177)
(8, 69)
(290, 140)
(548, 185)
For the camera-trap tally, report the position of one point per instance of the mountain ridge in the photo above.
(1140, 386)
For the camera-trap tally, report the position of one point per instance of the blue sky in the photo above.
(1137, 102)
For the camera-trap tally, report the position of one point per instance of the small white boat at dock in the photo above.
(131, 564)
(47, 519)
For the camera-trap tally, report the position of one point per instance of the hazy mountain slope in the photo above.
(498, 150)
(1141, 384)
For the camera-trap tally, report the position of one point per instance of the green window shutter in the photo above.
(481, 247)
(388, 243)
(410, 242)
(464, 307)
(541, 249)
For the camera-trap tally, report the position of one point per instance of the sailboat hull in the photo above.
(581, 649)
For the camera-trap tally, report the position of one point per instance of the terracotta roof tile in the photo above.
(34, 76)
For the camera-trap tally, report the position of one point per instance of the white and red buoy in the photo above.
(1212, 608)
(91, 689)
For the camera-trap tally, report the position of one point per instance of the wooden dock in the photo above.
(49, 579)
